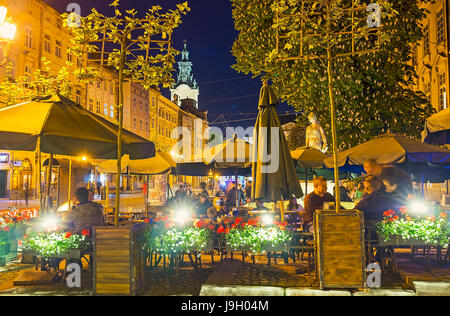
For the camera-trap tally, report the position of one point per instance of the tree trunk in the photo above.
(333, 109)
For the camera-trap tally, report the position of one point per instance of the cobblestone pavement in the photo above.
(186, 281)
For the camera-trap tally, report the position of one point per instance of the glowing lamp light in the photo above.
(182, 216)
(419, 207)
(3, 11)
(84, 158)
(50, 222)
(7, 31)
(267, 219)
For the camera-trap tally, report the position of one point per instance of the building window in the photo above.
(442, 92)
(28, 38)
(47, 45)
(442, 99)
(105, 109)
(146, 126)
(79, 62)
(440, 26)
(426, 41)
(58, 49)
(78, 96)
(91, 104)
(98, 107)
(99, 84)
(105, 85)
(134, 123)
(111, 111)
(140, 124)
(70, 59)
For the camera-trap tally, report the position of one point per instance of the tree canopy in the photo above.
(374, 92)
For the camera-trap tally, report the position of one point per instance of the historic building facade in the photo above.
(431, 55)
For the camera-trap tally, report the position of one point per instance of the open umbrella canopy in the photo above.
(307, 157)
(392, 149)
(437, 128)
(234, 153)
(273, 170)
(65, 128)
(160, 164)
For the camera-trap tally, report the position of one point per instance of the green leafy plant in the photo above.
(430, 230)
(184, 239)
(49, 245)
(257, 239)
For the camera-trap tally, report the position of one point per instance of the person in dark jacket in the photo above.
(314, 201)
(231, 196)
(376, 202)
(202, 209)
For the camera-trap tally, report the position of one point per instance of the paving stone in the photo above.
(385, 292)
(315, 292)
(424, 288)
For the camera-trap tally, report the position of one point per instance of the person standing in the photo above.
(99, 186)
(217, 189)
(314, 201)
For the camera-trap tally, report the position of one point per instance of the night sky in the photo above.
(209, 29)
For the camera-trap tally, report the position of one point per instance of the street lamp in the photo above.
(7, 33)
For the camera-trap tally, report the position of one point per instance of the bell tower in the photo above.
(186, 86)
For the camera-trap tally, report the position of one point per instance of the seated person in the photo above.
(293, 206)
(376, 202)
(181, 192)
(397, 184)
(203, 188)
(314, 201)
(202, 209)
(85, 214)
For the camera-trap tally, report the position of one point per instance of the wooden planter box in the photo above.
(398, 241)
(340, 249)
(118, 260)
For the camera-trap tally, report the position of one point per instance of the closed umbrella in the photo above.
(308, 158)
(437, 128)
(56, 125)
(275, 179)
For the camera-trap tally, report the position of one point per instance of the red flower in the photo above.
(157, 219)
(146, 220)
(243, 224)
(6, 229)
(68, 234)
(19, 219)
(85, 232)
(227, 231)
(220, 230)
(211, 227)
(226, 221)
(233, 226)
(165, 218)
(199, 224)
(431, 218)
(443, 215)
(238, 220)
(403, 210)
(168, 225)
(276, 222)
(396, 217)
(282, 227)
(391, 219)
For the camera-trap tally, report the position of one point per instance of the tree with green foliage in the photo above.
(39, 83)
(138, 47)
(373, 93)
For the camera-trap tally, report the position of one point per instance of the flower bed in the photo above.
(258, 239)
(401, 229)
(236, 234)
(56, 244)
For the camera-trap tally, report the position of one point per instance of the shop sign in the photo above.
(4, 158)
